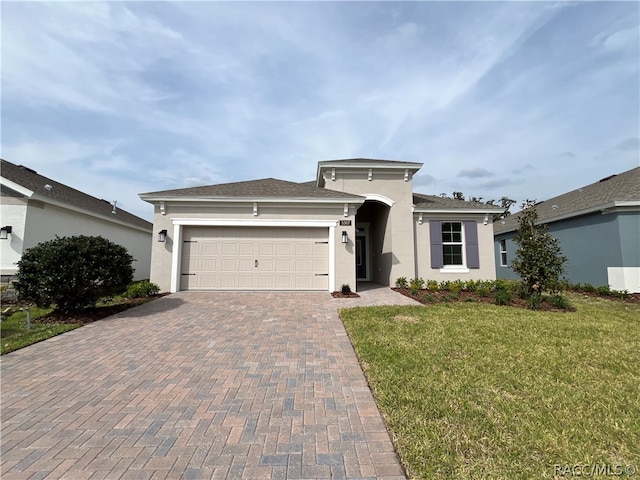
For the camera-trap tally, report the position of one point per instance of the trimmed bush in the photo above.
(432, 285)
(401, 282)
(345, 289)
(73, 273)
(141, 289)
(560, 302)
(503, 297)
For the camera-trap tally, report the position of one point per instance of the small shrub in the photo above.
(623, 294)
(345, 289)
(503, 297)
(587, 287)
(456, 286)
(483, 291)
(559, 301)
(534, 302)
(470, 300)
(401, 282)
(141, 289)
(453, 296)
(416, 285)
(429, 298)
(445, 285)
(603, 290)
(432, 285)
(471, 285)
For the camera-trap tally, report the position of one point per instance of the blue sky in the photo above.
(527, 99)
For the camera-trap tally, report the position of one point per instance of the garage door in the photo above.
(255, 258)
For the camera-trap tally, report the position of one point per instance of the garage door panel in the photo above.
(225, 258)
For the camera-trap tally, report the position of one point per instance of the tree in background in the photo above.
(73, 273)
(538, 259)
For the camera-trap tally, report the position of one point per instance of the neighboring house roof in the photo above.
(621, 190)
(432, 203)
(256, 190)
(38, 187)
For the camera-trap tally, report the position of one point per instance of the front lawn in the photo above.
(474, 391)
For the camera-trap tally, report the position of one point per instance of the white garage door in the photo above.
(255, 258)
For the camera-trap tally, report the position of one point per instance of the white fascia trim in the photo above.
(175, 258)
(379, 198)
(456, 210)
(377, 166)
(354, 199)
(241, 222)
(332, 258)
(16, 187)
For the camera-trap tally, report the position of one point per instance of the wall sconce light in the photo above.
(162, 236)
(345, 238)
(486, 220)
(5, 231)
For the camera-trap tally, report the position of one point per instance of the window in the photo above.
(452, 243)
(503, 253)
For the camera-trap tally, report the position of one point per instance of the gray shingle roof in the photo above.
(624, 187)
(59, 192)
(264, 188)
(433, 202)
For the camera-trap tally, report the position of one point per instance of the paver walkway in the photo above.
(198, 385)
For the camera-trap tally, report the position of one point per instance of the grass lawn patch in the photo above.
(471, 390)
(47, 323)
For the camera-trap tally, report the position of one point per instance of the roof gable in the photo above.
(608, 192)
(46, 189)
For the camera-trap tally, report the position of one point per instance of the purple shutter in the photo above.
(435, 233)
(471, 243)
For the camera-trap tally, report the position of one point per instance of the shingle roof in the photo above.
(624, 187)
(59, 192)
(432, 202)
(264, 188)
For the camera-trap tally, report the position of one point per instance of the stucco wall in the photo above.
(487, 270)
(14, 212)
(162, 253)
(592, 244)
(44, 222)
(398, 244)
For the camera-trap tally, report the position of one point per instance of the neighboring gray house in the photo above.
(358, 221)
(598, 227)
(35, 209)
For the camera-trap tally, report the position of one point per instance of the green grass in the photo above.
(472, 391)
(15, 335)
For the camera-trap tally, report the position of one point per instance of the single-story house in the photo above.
(359, 220)
(35, 209)
(598, 227)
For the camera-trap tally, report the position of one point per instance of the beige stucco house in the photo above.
(35, 209)
(358, 221)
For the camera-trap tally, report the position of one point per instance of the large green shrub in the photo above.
(538, 260)
(73, 273)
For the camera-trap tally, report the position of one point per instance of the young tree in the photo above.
(73, 273)
(538, 259)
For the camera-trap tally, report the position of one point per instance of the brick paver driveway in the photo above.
(198, 385)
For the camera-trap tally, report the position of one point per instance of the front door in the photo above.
(361, 258)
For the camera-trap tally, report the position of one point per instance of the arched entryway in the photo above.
(373, 240)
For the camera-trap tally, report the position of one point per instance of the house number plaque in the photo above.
(345, 223)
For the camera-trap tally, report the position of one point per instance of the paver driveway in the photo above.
(198, 385)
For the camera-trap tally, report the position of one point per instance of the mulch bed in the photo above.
(344, 295)
(428, 297)
(89, 315)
